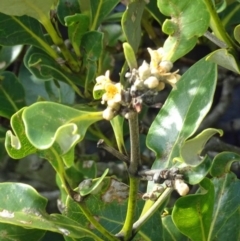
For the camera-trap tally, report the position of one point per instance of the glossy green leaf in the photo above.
(8, 55)
(192, 214)
(27, 31)
(152, 8)
(222, 163)
(11, 232)
(95, 185)
(61, 123)
(67, 8)
(131, 23)
(237, 33)
(47, 90)
(129, 56)
(99, 10)
(11, 94)
(53, 128)
(227, 202)
(170, 232)
(109, 207)
(78, 25)
(36, 10)
(225, 59)
(92, 43)
(231, 228)
(185, 25)
(117, 125)
(191, 149)
(17, 144)
(194, 175)
(220, 5)
(21, 205)
(42, 66)
(182, 113)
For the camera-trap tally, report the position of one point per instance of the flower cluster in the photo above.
(111, 95)
(146, 81)
(155, 75)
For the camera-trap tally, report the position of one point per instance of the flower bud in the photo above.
(108, 113)
(165, 66)
(151, 82)
(144, 71)
(181, 187)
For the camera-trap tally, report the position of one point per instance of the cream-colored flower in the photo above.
(103, 79)
(156, 57)
(112, 93)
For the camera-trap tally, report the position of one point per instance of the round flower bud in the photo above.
(151, 82)
(165, 66)
(108, 113)
(181, 187)
(161, 86)
(144, 71)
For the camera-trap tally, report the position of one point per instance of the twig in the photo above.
(101, 144)
(135, 162)
(135, 159)
(215, 144)
(215, 40)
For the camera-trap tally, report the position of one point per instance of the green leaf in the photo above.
(78, 25)
(18, 145)
(237, 33)
(222, 163)
(231, 228)
(21, 30)
(36, 10)
(117, 125)
(194, 175)
(109, 207)
(129, 56)
(47, 90)
(225, 59)
(11, 94)
(170, 232)
(62, 124)
(92, 43)
(154, 11)
(131, 23)
(191, 149)
(67, 8)
(99, 10)
(185, 26)
(8, 55)
(182, 113)
(21, 205)
(44, 67)
(227, 202)
(86, 188)
(11, 232)
(193, 214)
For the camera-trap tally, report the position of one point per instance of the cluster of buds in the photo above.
(146, 81)
(153, 76)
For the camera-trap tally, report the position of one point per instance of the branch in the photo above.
(134, 165)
